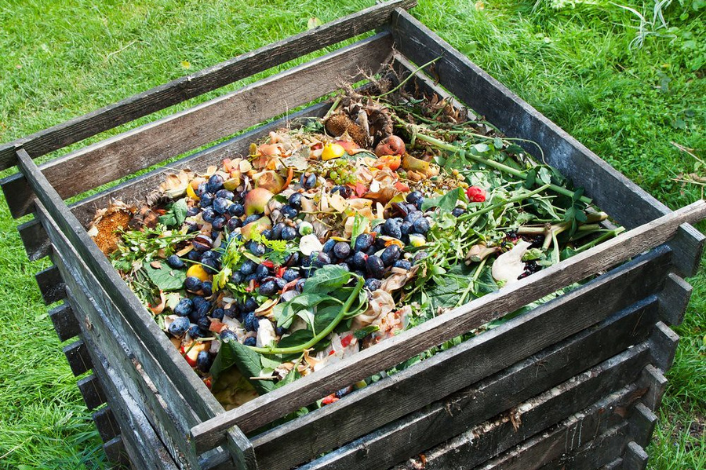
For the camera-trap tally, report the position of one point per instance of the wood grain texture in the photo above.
(51, 285)
(503, 391)
(642, 424)
(34, 240)
(674, 299)
(142, 445)
(64, 321)
(411, 389)
(116, 453)
(613, 192)
(688, 245)
(106, 424)
(77, 355)
(635, 457)
(600, 451)
(156, 397)
(152, 143)
(616, 464)
(664, 346)
(654, 381)
(206, 80)
(147, 331)
(392, 351)
(91, 391)
(493, 437)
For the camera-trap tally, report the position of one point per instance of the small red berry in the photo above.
(476, 194)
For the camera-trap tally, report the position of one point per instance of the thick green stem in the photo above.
(493, 164)
(312, 342)
(502, 204)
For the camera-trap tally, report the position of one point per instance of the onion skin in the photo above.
(391, 145)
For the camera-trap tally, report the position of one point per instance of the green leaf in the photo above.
(324, 316)
(363, 332)
(446, 202)
(326, 279)
(165, 278)
(248, 362)
(360, 223)
(221, 278)
(295, 339)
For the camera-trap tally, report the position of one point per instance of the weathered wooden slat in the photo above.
(92, 391)
(386, 354)
(34, 240)
(152, 143)
(193, 390)
(50, 285)
(614, 193)
(130, 361)
(688, 245)
(64, 321)
(206, 80)
(144, 448)
(616, 464)
(116, 453)
(495, 436)
(654, 381)
(642, 424)
(601, 451)
(635, 457)
(674, 299)
(107, 426)
(413, 433)
(380, 403)
(77, 355)
(664, 346)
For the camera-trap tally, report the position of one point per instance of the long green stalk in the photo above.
(325, 332)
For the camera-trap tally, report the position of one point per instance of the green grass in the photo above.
(577, 62)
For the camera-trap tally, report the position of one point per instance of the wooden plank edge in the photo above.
(51, 285)
(383, 355)
(203, 81)
(674, 299)
(91, 391)
(377, 404)
(106, 424)
(64, 321)
(642, 424)
(152, 143)
(77, 355)
(663, 347)
(193, 389)
(635, 457)
(116, 453)
(34, 239)
(612, 191)
(688, 245)
(455, 414)
(616, 464)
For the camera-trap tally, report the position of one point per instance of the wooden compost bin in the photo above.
(571, 384)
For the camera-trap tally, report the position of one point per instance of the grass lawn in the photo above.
(626, 79)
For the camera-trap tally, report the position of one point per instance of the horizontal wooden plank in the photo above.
(64, 321)
(491, 438)
(392, 351)
(635, 457)
(50, 285)
(156, 396)
(380, 403)
(206, 80)
(688, 245)
(144, 448)
(77, 355)
(674, 299)
(116, 453)
(600, 451)
(34, 239)
(155, 142)
(117, 291)
(107, 426)
(614, 193)
(92, 392)
(664, 346)
(505, 390)
(616, 464)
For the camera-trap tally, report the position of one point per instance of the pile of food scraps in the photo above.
(335, 235)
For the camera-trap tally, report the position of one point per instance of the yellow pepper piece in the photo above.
(332, 151)
(197, 271)
(191, 193)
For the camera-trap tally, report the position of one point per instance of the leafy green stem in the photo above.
(325, 332)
